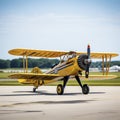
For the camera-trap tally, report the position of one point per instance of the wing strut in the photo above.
(103, 65)
(106, 62)
(25, 63)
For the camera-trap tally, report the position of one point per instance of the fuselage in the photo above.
(66, 68)
(70, 66)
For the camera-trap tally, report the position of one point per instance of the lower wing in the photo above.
(35, 76)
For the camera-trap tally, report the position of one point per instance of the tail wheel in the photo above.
(34, 89)
(60, 89)
(85, 89)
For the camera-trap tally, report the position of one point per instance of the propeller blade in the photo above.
(88, 51)
(87, 71)
(88, 62)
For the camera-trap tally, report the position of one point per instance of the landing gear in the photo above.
(85, 88)
(34, 89)
(60, 88)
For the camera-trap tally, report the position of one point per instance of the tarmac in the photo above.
(20, 103)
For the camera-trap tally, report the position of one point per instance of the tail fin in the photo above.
(36, 70)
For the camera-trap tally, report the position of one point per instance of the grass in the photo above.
(112, 82)
(10, 83)
(73, 82)
(4, 75)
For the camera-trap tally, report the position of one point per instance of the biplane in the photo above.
(71, 64)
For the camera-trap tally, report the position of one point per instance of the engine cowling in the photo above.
(81, 61)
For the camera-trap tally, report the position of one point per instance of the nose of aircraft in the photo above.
(84, 62)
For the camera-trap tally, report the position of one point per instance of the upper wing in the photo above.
(99, 55)
(35, 76)
(36, 53)
(51, 54)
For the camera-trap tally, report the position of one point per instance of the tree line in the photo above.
(99, 64)
(42, 63)
(18, 63)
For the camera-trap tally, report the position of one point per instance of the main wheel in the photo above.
(60, 89)
(85, 89)
(34, 89)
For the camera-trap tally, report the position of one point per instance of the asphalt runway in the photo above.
(20, 103)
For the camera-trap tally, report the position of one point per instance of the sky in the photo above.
(65, 25)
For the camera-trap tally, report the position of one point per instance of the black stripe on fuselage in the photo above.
(68, 65)
(65, 65)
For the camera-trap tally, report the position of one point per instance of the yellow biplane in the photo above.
(71, 64)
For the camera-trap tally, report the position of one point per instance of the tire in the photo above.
(85, 89)
(60, 90)
(34, 89)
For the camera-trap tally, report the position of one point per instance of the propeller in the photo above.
(88, 62)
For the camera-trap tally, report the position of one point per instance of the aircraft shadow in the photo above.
(97, 92)
(18, 111)
(30, 93)
(43, 92)
(48, 102)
